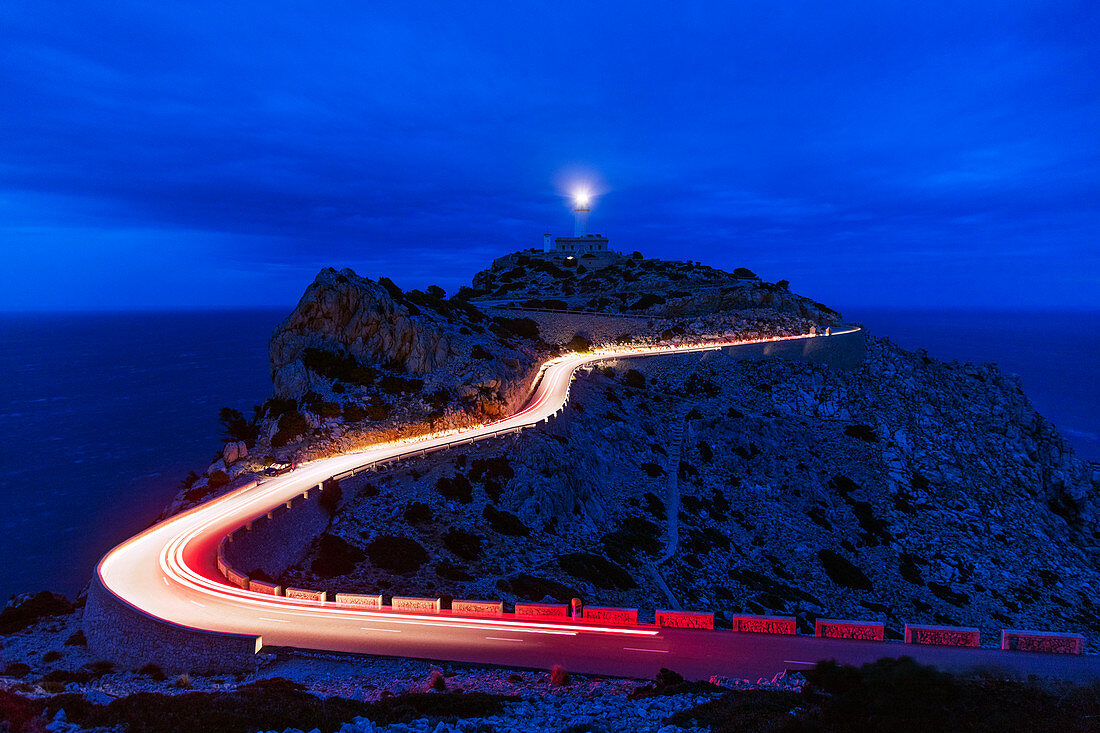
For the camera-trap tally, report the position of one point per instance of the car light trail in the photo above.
(161, 570)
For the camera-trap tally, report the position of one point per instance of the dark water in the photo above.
(102, 415)
(1057, 356)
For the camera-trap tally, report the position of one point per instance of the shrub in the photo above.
(579, 343)
(353, 412)
(654, 506)
(745, 272)
(235, 427)
(276, 407)
(393, 384)
(909, 569)
(646, 301)
(946, 593)
(335, 556)
(652, 469)
(877, 531)
(705, 451)
(18, 670)
(153, 672)
(217, 480)
(634, 378)
(51, 656)
(634, 534)
(456, 488)
(479, 352)
(861, 431)
(20, 614)
(452, 571)
(505, 522)
(77, 639)
(378, 410)
(397, 554)
(292, 425)
(534, 588)
(462, 543)
(559, 677)
(597, 570)
(524, 328)
(341, 367)
(418, 513)
(842, 572)
(496, 468)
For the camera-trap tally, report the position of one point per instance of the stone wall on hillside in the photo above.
(131, 638)
(277, 541)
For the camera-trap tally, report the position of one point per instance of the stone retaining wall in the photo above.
(484, 608)
(831, 628)
(608, 615)
(131, 638)
(278, 540)
(408, 603)
(764, 624)
(560, 328)
(943, 635)
(1048, 642)
(542, 609)
(684, 619)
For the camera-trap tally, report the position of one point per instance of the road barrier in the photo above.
(410, 603)
(356, 599)
(684, 619)
(260, 586)
(613, 616)
(303, 594)
(764, 624)
(237, 578)
(1049, 642)
(478, 608)
(831, 628)
(942, 635)
(542, 609)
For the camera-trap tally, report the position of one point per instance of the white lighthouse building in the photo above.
(582, 242)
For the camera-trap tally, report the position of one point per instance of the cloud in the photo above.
(424, 142)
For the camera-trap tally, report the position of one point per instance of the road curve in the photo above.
(169, 571)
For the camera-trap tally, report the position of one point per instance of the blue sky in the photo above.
(170, 154)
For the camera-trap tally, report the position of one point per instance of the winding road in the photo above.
(170, 572)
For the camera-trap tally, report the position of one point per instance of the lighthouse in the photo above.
(580, 215)
(581, 244)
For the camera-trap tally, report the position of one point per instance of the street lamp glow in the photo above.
(581, 197)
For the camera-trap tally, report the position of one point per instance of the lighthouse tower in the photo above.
(580, 215)
(581, 243)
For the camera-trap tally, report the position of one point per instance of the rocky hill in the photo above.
(903, 489)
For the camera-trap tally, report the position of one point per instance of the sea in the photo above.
(103, 414)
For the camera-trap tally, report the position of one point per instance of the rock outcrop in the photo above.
(341, 312)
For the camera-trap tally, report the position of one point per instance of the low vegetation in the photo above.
(396, 554)
(270, 704)
(901, 695)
